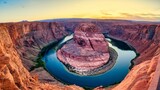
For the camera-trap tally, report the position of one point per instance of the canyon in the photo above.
(88, 50)
(21, 42)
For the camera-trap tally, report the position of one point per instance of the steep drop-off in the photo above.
(30, 38)
(13, 75)
(87, 51)
(21, 42)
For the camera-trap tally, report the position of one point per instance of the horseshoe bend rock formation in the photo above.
(87, 51)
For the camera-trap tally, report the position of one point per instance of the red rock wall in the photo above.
(30, 38)
(155, 82)
(140, 39)
(13, 75)
(140, 76)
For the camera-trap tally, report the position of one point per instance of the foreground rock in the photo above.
(140, 76)
(87, 51)
(29, 38)
(13, 75)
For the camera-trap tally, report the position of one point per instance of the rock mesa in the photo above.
(87, 50)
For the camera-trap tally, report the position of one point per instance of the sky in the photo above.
(18, 10)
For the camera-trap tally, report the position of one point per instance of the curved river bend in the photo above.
(110, 77)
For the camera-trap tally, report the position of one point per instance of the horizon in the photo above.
(51, 19)
(34, 10)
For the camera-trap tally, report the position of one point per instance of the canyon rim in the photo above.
(79, 45)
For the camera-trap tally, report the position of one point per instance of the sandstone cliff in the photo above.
(30, 38)
(21, 42)
(13, 75)
(145, 39)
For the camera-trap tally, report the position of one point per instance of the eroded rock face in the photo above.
(29, 38)
(13, 75)
(88, 50)
(140, 76)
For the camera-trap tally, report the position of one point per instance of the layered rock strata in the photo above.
(13, 75)
(16, 37)
(87, 51)
(29, 38)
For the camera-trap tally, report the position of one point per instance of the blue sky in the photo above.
(17, 10)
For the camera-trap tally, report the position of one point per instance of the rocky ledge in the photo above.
(88, 50)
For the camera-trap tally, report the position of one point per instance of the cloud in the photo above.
(153, 16)
(105, 13)
(121, 15)
(150, 14)
(79, 15)
(141, 16)
(130, 15)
